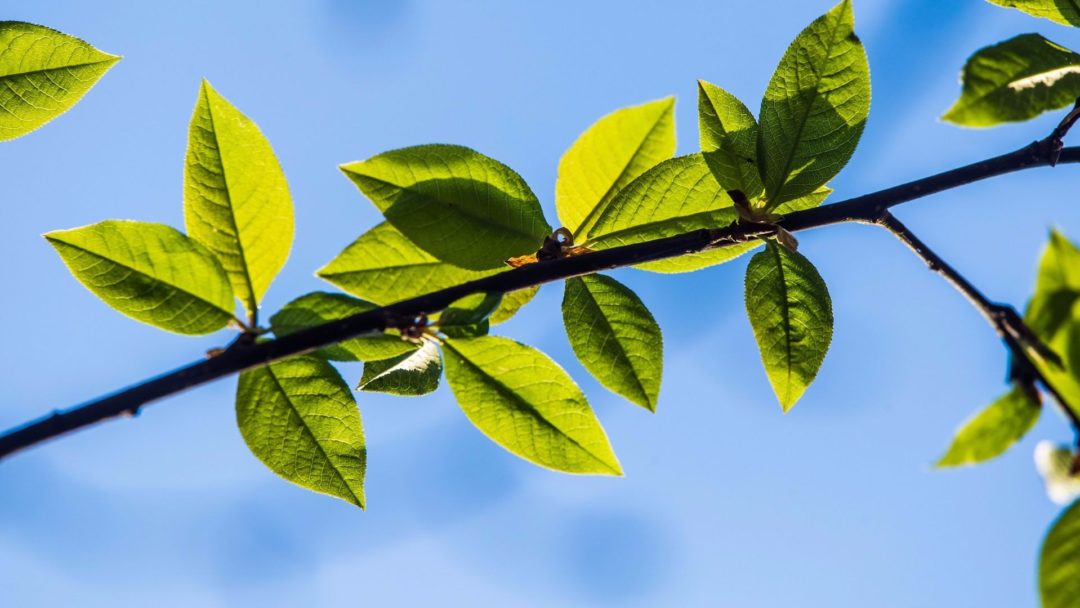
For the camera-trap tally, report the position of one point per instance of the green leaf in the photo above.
(512, 302)
(1059, 564)
(608, 156)
(527, 404)
(384, 267)
(1059, 266)
(470, 310)
(676, 196)
(43, 73)
(728, 133)
(411, 374)
(236, 200)
(993, 430)
(455, 203)
(300, 419)
(149, 272)
(320, 307)
(814, 108)
(1016, 80)
(1065, 12)
(615, 337)
(791, 313)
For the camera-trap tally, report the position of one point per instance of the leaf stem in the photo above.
(869, 208)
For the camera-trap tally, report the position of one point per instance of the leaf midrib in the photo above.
(142, 274)
(593, 215)
(618, 343)
(84, 64)
(464, 210)
(502, 388)
(252, 302)
(805, 115)
(310, 433)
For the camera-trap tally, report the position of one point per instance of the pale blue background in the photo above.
(726, 502)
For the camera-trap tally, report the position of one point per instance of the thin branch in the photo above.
(866, 209)
(1018, 338)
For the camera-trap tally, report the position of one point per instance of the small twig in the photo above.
(1018, 338)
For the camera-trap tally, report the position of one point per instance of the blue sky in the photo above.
(726, 501)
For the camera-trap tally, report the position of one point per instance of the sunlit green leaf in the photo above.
(993, 430)
(1059, 564)
(236, 200)
(615, 337)
(526, 403)
(676, 196)
(608, 156)
(384, 267)
(791, 313)
(512, 302)
(413, 373)
(728, 133)
(1065, 12)
(814, 108)
(455, 203)
(300, 419)
(471, 309)
(43, 73)
(1016, 80)
(150, 272)
(319, 307)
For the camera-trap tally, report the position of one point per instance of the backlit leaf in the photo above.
(1016, 80)
(527, 404)
(1059, 564)
(414, 373)
(300, 419)
(615, 337)
(608, 156)
(791, 313)
(149, 272)
(455, 203)
(993, 430)
(728, 133)
(236, 200)
(814, 108)
(43, 73)
(319, 307)
(676, 196)
(1065, 12)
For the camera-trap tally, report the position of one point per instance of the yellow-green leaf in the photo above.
(455, 203)
(43, 73)
(728, 133)
(236, 200)
(149, 272)
(1059, 564)
(791, 313)
(414, 373)
(527, 404)
(814, 108)
(1065, 12)
(993, 430)
(320, 307)
(1016, 80)
(676, 196)
(615, 337)
(300, 419)
(609, 155)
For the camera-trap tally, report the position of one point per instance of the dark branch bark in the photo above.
(1015, 334)
(242, 355)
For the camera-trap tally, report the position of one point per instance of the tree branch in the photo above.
(1015, 334)
(869, 208)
